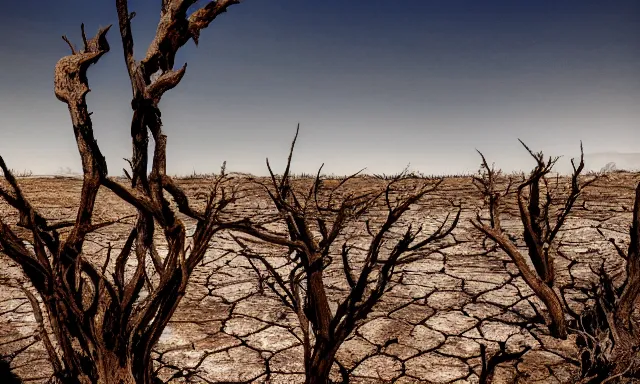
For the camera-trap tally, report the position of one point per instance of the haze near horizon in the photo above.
(372, 85)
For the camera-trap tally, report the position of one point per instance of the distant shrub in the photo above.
(24, 173)
(196, 176)
(420, 175)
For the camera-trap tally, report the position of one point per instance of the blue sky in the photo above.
(374, 84)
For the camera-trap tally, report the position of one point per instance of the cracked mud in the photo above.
(429, 327)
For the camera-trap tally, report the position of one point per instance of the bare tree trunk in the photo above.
(625, 328)
(315, 221)
(319, 374)
(93, 350)
(539, 231)
(558, 324)
(106, 368)
(104, 328)
(110, 370)
(609, 334)
(320, 365)
(318, 309)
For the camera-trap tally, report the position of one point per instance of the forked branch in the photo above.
(315, 218)
(540, 230)
(104, 329)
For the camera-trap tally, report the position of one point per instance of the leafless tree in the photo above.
(103, 322)
(316, 218)
(609, 331)
(541, 226)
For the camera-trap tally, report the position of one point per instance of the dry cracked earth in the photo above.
(430, 327)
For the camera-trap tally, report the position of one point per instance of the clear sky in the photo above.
(376, 84)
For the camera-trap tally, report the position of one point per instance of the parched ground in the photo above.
(429, 327)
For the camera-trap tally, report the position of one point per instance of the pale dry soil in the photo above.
(427, 329)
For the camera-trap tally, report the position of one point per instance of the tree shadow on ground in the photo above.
(6, 376)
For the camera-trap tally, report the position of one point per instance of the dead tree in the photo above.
(540, 230)
(316, 219)
(102, 325)
(609, 331)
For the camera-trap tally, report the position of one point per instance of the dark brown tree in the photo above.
(609, 331)
(541, 226)
(318, 217)
(103, 322)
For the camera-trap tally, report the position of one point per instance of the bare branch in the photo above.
(312, 254)
(73, 50)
